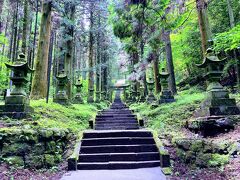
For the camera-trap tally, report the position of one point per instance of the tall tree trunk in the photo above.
(90, 60)
(230, 12)
(156, 72)
(35, 33)
(25, 26)
(15, 36)
(1, 8)
(98, 62)
(68, 59)
(39, 84)
(203, 24)
(170, 66)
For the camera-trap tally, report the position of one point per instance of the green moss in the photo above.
(218, 160)
(49, 160)
(35, 161)
(167, 171)
(15, 160)
(197, 146)
(169, 118)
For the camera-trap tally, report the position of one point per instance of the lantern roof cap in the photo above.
(210, 58)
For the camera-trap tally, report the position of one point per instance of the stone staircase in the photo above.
(117, 142)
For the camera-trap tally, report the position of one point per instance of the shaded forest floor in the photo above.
(167, 120)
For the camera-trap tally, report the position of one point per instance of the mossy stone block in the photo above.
(218, 160)
(38, 149)
(15, 149)
(190, 157)
(202, 159)
(15, 160)
(49, 160)
(197, 145)
(34, 161)
(183, 143)
(50, 147)
(46, 133)
(181, 154)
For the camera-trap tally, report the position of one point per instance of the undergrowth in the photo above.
(171, 116)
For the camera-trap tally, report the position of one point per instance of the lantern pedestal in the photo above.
(61, 96)
(78, 98)
(166, 94)
(90, 96)
(150, 98)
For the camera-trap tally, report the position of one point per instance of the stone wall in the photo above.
(40, 148)
(203, 153)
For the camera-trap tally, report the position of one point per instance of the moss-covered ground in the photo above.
(74, 117)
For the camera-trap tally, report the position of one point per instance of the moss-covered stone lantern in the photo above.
(150, 98)
(166, 94)
(78, 98)
(17, 103)
(61, 95)
(214, 114)
(98, 96)
(142, 95)
(90, 96)
(217, 101)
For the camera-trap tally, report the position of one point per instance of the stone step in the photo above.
(107, 157)
(116, 124)
(116, 121)
(108, 134)
(117, 165)
(117, 141)
(114, 115)
(116, 128)
(118, 148)
(122, 118)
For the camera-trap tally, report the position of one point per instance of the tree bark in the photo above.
(156, 72)
(230, 12)
(25, 26)
(170, 66)
(90, 60)
(39, 84)
(204, 26)
(98, 62)
(68, 59)
(1, 8)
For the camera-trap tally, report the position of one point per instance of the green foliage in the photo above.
(171, 116)
(228, 40)
(74, 117)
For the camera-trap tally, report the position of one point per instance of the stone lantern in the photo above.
(78, 98)
(214, 114)
(90, 96)
(217, 101)
(142, 96)
(17, 103)
(61, 95)
(166, 94)
(150, 98)
(98, 96)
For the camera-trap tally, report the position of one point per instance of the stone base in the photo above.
(141, 99)
(78, 100)
(16, 99)
(218, 107)
(15, 111)
(166, 97)
(211, 125)
(151, 99)
(90, 99)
